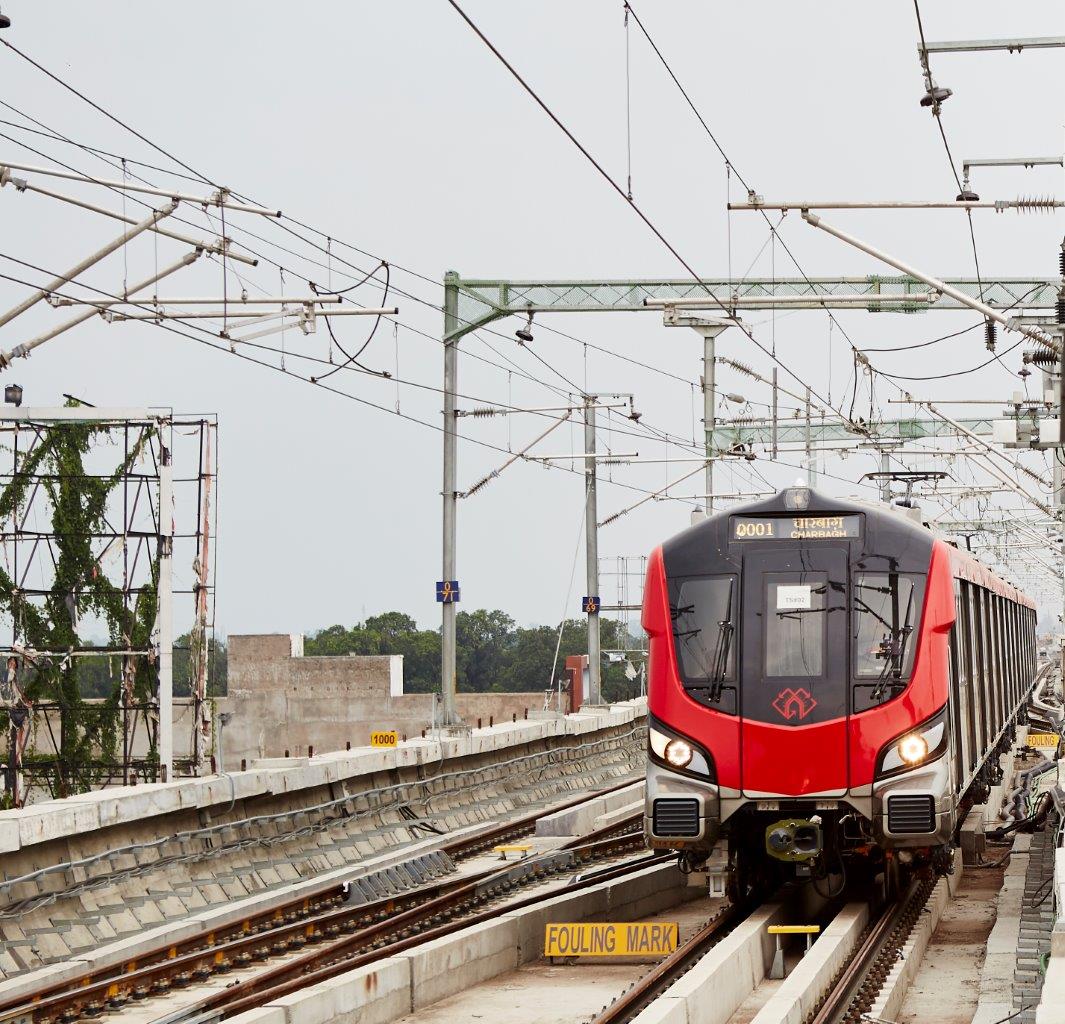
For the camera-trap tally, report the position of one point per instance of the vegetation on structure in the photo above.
(47, 625)
(494, 653)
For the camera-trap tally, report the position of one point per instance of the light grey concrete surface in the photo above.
(1052, 1004)
(85, 813)
(893, 992)
(1000, 962)
(972, 834)
(414, 980)
(811, 977)
(374, 994)
(450, 964)
(714, 988)
(579, 820)
(615, 817)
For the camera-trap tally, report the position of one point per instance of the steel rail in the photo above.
(351, 952)
(860, 980)
(659, 978)
(290, 924)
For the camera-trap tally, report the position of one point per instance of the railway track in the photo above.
(856, 986)
(392, 937)
(656, 981)
(851, 993)
(341, 935)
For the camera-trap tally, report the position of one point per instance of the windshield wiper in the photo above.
(721, 652)
(893, 646)
(892, 649)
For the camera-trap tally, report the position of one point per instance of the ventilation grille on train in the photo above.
(911, 814)
(675, 818)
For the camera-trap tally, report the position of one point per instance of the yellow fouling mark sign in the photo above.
(647, 938)
(1042, 739)
(384, 738)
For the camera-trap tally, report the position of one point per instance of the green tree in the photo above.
(390, 633)
(494, 654)
(483, 639)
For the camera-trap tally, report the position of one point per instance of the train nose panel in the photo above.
(793, 693)
(781, 761)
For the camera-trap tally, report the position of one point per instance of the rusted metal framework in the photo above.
(117, 539)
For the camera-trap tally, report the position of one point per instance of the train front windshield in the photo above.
(804, 632)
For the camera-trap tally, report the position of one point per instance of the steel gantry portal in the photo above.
(473, 303)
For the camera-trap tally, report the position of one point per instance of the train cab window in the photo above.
(795, 624)
(887, 607)
(703, 610)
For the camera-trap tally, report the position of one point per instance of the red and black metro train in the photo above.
(829, 686)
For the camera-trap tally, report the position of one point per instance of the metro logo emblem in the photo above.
(794, 703)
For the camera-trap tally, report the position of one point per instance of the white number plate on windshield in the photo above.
(793, 598)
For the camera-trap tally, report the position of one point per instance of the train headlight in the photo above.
(678, 753)
(913, 748)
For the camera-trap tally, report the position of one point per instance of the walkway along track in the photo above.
(324, 917)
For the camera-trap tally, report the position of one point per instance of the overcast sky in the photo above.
(391, 128)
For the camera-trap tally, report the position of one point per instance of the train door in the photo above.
(795, 671)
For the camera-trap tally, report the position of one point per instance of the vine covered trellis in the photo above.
(90, 517)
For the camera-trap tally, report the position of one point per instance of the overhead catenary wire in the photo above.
(329, 238)
(414, 273)
(212, 341)
(328, 251)
(937, 113)
(730, 167)
(655, 230)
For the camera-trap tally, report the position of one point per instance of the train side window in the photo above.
(1004, 654)
(988, 657)
(996, 661)
(1000, 630)
(887, 607)
(1031, 647)
(703, 610)
(795, 624)
(1011, 656)
(955, 705)
(960, 686)
(979, 677)
(968, 660)
(989, 662)
(1015, 654)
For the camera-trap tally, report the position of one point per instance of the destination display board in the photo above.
(819, 527)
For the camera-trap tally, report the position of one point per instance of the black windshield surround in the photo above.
(888, 545)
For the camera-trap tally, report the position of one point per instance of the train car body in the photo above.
(829, 684)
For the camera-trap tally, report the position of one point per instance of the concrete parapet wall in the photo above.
(1000, 961)
(1052, 1001)
(160, 855)
(75, 818)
